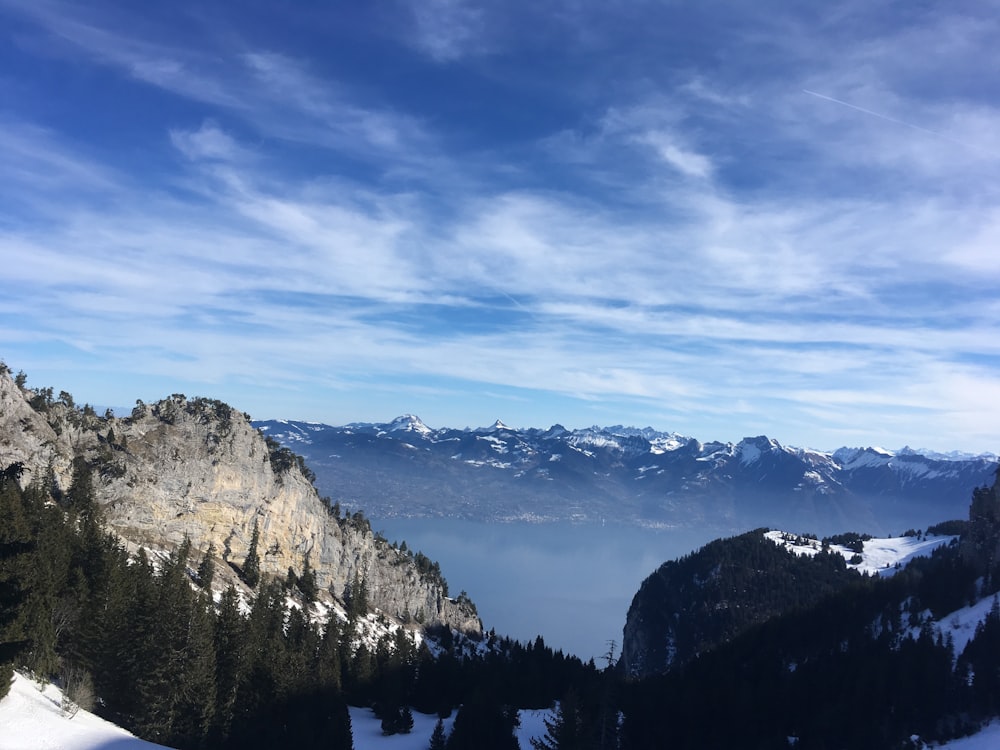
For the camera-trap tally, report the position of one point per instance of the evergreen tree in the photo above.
(307, 581)
(484, 724)
(251, 566)
(438, 737)
(206, 568)
(568, 729)
(328, 662)
(15, 544)
(80, 497)
(356, 597)
(229, 643)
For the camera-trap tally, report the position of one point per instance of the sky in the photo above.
(722, 219)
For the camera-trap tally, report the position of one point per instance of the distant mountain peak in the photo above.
(409, 423)
(497, 426)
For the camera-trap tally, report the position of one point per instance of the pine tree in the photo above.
(307, 581)
(206, 568)
(15, 544)
(229, 642)
(251, 566)
(438, 736)
(567, 729)
(356, 597)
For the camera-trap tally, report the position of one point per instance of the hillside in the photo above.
(755, 656)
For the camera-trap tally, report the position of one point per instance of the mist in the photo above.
(570, 583)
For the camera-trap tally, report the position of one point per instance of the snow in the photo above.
(879, 556)
(31, 719)
(987, 739)
(410, 423)
(367, 730)
(961, 624)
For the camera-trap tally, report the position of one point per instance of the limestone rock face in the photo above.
(198, 469)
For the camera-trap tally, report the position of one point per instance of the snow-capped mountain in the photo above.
(622, 474)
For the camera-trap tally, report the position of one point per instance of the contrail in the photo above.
(910, 125)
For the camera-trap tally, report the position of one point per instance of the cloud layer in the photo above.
(724, 225)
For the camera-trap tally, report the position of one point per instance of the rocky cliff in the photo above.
(197, 468)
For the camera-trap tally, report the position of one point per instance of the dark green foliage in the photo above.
(283, 460)
(16, 546)
(306, 582)
(356, 597)
(438, 737)
(800, 673)
(980, 663)
(692, 604)
(206, 568)
(484, 724)
(852, 540)
(251, 565)
(571, 728)
(948, 528)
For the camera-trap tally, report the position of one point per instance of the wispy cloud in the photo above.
(710, 246)
(449, 30)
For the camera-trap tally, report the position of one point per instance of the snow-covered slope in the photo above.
(31, 719)
(878, 556)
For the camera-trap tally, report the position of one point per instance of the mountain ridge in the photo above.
(631, 475)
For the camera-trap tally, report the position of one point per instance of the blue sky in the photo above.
(722, 219)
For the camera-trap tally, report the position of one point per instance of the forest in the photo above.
(140, 640)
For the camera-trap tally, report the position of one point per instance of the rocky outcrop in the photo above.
(197, 468)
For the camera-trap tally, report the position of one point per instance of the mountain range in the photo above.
(628, 475)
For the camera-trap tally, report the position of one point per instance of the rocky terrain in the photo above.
(197, 468)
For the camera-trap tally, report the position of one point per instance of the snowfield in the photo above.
(879, 556)
(31, 719)
(367, 730)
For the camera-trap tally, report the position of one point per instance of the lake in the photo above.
(570, 583)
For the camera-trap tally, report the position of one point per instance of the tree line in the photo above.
(173, 664)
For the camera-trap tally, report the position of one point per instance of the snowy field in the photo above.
(368, 730)
(879, 556)
(31, 719)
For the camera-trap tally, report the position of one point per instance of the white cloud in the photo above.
(209, 142)
(685, 161)
(448, 30)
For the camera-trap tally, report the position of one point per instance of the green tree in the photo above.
(206, 568)
(15, 546)
(568, 729)
(251, 565)
(438, 737)
(307, 581)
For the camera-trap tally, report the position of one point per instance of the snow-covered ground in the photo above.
(879, 556)
(31, 719)
(368, 730)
